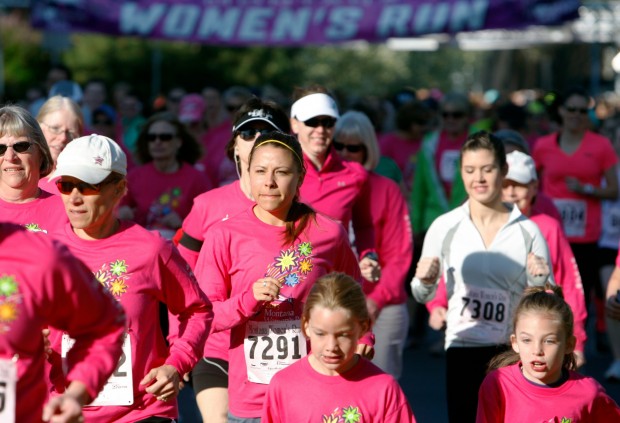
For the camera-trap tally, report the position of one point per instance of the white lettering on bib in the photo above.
(272, 346)
(447, 165)
(118, 390)
(483, 314)
(8, 384)
(573, 214)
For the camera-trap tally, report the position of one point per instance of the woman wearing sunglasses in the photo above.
(355, 141)
(141, 270)
(24, 159)
(571, 164)
(258, 267)
(163, 187)
(61, 121)
(210, 376)
(332, 186)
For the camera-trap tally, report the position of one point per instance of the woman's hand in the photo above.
(370, 269)
(427, 270)
(266, 289)
(612, 308)
(163, 382)
(67, 408)
(437, 318)
(537, 266)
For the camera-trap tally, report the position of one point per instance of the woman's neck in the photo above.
(244, 184)
(487, 213)
(276, 218)
(26, 195)
(105, 230)
(318, 160)
(166, 165)
(572, 136)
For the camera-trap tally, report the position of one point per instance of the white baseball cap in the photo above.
(521, 168)
(313, 105)
(91, 159)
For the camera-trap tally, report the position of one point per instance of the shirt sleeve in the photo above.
(191, 308)
(490, 403)
(539, 248)
(213, 272)
(431, 248)
(441, 296)
(362, 219)
(89, 314)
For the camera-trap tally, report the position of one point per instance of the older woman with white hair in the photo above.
(61, 121)
(355, 141)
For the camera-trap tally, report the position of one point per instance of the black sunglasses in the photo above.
(580, 110)
(18, 147)
(454, 115)
(326, 122)
(67, 187)
(163, 137)
(250, 134)
(351, 148)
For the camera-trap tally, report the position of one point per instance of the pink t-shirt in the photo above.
(581, 214)
(153, 194)
(43, 284)
(43, 214)
(403, 151)
(393, 240)
(239, 251)
(217, 165)
(507, 396)
(363, 394)
(141, 270)
(209, 208)
(339, 191)
(447, 158)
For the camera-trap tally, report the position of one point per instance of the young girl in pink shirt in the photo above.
(342, 385)
(536, 381)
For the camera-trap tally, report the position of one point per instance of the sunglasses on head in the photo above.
(351, 148)
(18, 147)
(454, 115)
(250, 134)
(67, 187)
(325, 122)
(162, 137)
(580, 110)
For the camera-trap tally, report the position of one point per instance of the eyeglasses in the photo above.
(18, 147)
(67, 187)
(57, 130)
(453, 115)
(162, 137)
(580, 110)
(326, 122)
(351, 148)
(250, 134)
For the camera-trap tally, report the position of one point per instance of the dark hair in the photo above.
(515, 117)
(575, 91)
(337, 290)
(256, 103)
(412, 112)
(190, 150)
(547, 299)
(483, 140)
(299, 214)
(301, 92)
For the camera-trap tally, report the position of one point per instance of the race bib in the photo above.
(483, 314)
(118, 390)
(447, 165)
(574, 215)
(8, 383)
(272, 346)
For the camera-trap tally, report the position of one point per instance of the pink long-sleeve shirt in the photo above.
(507, 396)
(393, 240)
(42, 284)
(140, 269)
(208, 209)
(339, 190)
(239, 251)
(364, 394)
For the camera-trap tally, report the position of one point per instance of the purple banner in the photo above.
(294, 22)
